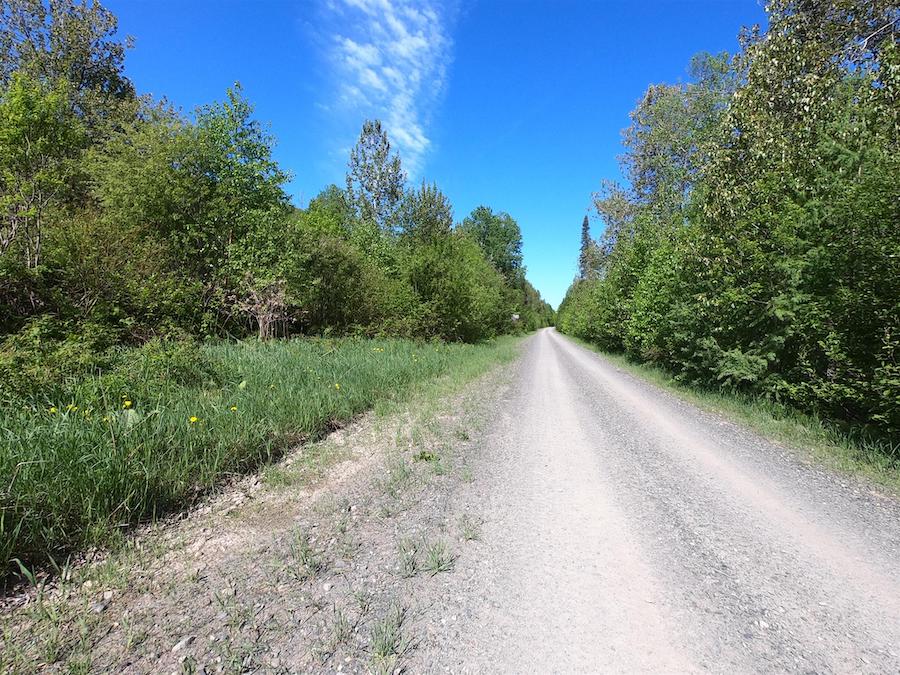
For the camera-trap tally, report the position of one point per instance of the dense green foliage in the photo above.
(757, 247)
(127, 217)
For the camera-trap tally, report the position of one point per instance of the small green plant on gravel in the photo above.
(387, 640)
(11, 654)
(466, 474)
(338, 632)
(364, 599)
(398, 475)
(79, 663)
(469, 528)
(409, 558)
(225, 600)
(440, 468)
(348, 546)
(434, 459)
(52, 646)
(53, 628)
(133, 636)
(342, 518)
(277, 476)
(438, 558)
(416, 435)
(425, 456)
(237, 653)
(308, 561)
(341, 627)
(239, 615)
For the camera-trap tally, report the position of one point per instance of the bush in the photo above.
(39, 364)
(463, 295)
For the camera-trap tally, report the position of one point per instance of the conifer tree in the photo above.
(587, 260)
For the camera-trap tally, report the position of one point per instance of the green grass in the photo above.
(83, 469)
(387, 640)
(469, 528)
(307, 562)
(843, 449)
(408, 550)
(438, 558)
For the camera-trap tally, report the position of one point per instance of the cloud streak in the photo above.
(391, 59)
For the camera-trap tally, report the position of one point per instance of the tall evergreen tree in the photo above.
(588, 260)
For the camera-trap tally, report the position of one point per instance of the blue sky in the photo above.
(518, 105)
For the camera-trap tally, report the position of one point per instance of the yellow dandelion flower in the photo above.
(52, 409)
(234, 408)
(194, 419)
(126, 404)
(71, 407)
(337, 386)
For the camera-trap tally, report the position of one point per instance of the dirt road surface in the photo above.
(556, 515)
(627, 531)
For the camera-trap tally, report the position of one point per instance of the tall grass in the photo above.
(120, 450)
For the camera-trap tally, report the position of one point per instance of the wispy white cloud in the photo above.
(390, 59)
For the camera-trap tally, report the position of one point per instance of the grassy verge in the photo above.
(878, 459)
(122, 448)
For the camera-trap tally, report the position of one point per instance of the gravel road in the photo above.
(627, 531)
(556, 515)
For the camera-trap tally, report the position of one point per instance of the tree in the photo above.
(757, 247)
(616, 208)
(797, 209)
(329, 212)
(202, 187)
(589, 257)
(375, 178)
(672, 133)
(533, 311)
(70, 41)
(462, 295)
(38, 140)
(210, 192)
(500, 239)
(425, 214)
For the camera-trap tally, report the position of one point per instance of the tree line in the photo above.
(756, 246)
(123, 219)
